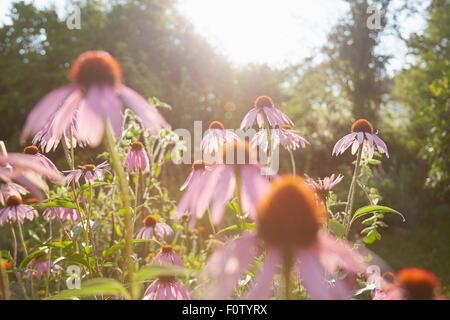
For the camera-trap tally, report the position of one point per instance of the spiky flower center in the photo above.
(289, 217)
(199, 165)
(216, 125)
(31, 150)
(362, 125)
(419, 284)
(95, 68)
(238, 152)
(150, 221)
(13, 200)
(89, 167)
(137, 145)
(167, 248)
(264, 101)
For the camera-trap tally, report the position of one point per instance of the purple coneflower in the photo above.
(16, 211)
(264, 112)
(61, 213)
(216, 137)
(417, 284)
(136, 160)
(288, 227)
(96, 94)
(168, 256)
(48, 141)
(322, 186)
(286, 137)
(11, 189)
(198, 169)
(34, 151)
(90, 173)
(41, 265)
(166, 288)
(217, 185)
(153, 226)
(363, 134)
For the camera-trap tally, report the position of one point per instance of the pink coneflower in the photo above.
(153, 226)
(216, 137)
(11, 189)
(34, 151)
(265, 113)
(136, 159)
(418, 284)
(288, 227)
(363, 134)
(16, 211)
(286, 137)
(166, 288)
(168, 256)
(385, 286)
(90, 173)
(26, 171)
(48, 141)
(41, 265)
(217, 185)
(322, 186)
(96, 94)
(198, 169)
(61, 213)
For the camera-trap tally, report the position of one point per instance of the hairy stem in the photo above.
(351, 194)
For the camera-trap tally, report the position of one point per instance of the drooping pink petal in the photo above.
(224, 191)
(253, 188)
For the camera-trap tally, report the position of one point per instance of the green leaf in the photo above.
(372, 236)
(337, 228)
(368, 209)
(92, 288)
(58, 203)
(30, 257)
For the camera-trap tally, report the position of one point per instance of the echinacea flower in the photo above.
(26, 171)
(266, 114)
(41, 265)
(61, 213)
(322, 186)
(385, 286)
(90, 173)
(11, 189)
(166, 288)
(168, 256)
(288, 227)
(198, 168)
(48, 141)
(216, 137)
(363, 134)
(34, 151)
(217, 185)
(417, 284)
(286, 137)
(136, 159)
(95, 95)
(151, 226)
(16, 211)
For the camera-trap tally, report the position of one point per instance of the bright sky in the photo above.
(277, 32)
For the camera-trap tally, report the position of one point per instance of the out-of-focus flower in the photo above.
(136, 158)
(61, 213)
(216, 137)
(168, 256)
(384, 286)
(166, 288)
(48, 141)
(96, 94)
(34, 151)
(216, 186)
(198, 169)
(418, 284)
(11, 189)
(265, 114)
(41, 265)
(16, 211)
(363, 134)
(90, 173)
(288, 227)
(153, 226)
(5, 264)
(24, 170)
(322, 186)
(286, 137)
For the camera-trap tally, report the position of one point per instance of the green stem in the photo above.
(126, 203)
(22, 240)
(291, 154)
(287, 267)
(351, 194)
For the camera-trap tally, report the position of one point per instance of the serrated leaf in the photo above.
(368, 209)
(337, 228)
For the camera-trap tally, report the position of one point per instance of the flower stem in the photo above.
(287, 267)
(126, 203)
(4, 284)
(291, 154)
(351, 194)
